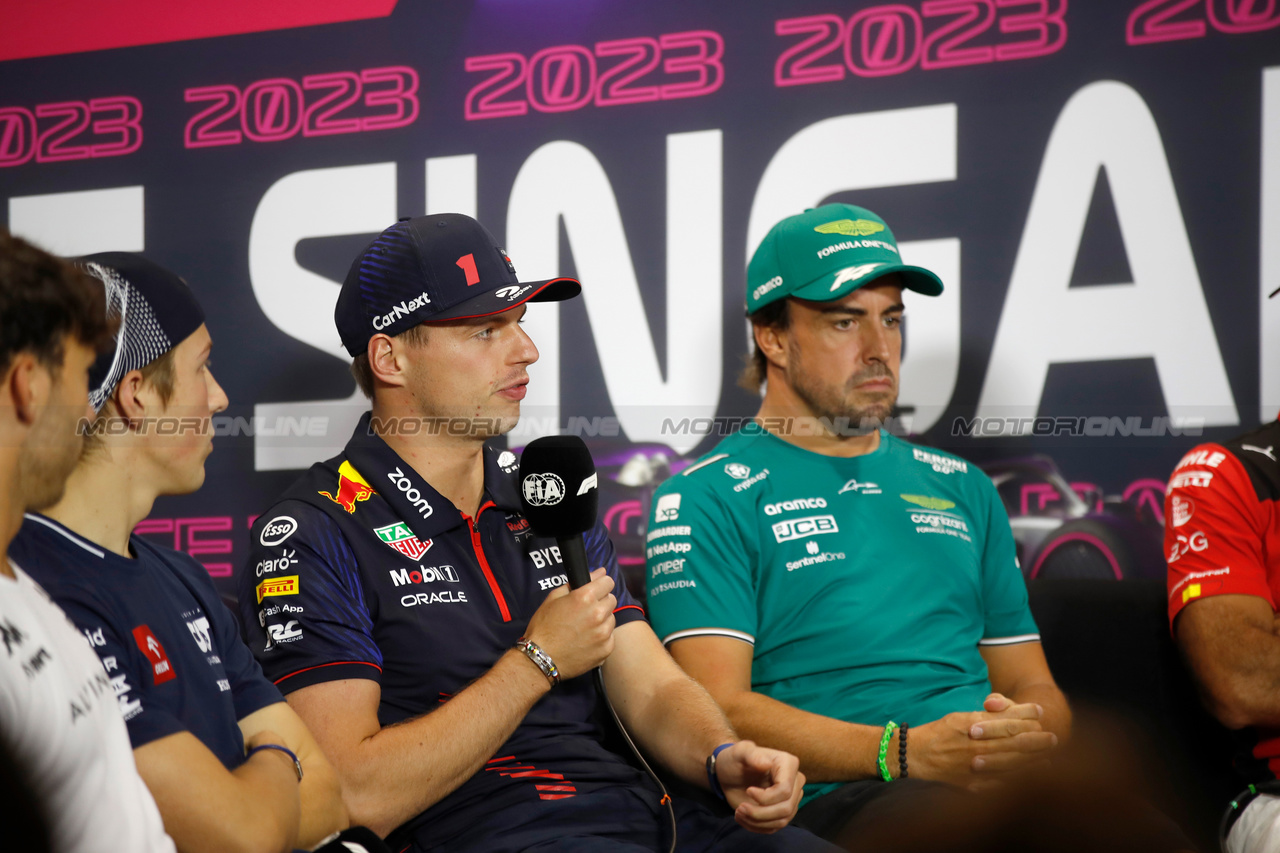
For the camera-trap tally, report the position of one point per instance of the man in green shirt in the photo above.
(823, 578)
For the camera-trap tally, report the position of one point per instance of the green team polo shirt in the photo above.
(866, 585)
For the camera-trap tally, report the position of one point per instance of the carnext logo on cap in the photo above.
(404, 309)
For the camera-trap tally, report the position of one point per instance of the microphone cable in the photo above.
(635, 750)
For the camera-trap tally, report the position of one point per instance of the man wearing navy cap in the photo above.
(844, 594)
(399, 598)
(193, 698)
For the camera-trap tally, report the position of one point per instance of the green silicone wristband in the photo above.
(884, 751)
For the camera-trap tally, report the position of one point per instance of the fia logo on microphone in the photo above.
(543, 489)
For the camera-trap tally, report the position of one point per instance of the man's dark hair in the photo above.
(775, 315)
(415, 335)
(44, 299)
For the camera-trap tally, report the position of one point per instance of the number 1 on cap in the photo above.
(468, 264)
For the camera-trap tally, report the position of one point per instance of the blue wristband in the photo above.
(712, 778)
(297, 765)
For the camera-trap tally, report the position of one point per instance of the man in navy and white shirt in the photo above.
(193, 697)
(401, 601)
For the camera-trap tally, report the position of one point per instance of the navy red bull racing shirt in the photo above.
(362, 570)
(1222, 537)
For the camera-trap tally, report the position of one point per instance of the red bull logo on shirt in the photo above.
(352, 487)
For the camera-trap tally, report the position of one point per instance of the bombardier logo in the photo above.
(404, 309)
(799, 528)
(411, 494)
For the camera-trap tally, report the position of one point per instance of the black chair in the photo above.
(1109, 647)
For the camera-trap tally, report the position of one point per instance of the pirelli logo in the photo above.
(287, 585)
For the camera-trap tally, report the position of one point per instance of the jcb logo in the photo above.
(799, 528)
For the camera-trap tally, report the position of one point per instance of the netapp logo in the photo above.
(799, 528)
(404, 309)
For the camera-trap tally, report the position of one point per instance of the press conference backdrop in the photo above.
(1097, 183)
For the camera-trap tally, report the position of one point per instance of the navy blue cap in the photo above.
(429, 268)
(155, 309)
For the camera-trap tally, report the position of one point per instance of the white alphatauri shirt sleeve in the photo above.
(59, 714)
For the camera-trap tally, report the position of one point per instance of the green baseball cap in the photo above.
(827, 253)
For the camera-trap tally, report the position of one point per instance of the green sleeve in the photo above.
(1007, 616)
(697, 567)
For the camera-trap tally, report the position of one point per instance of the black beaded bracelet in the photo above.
(902, 751)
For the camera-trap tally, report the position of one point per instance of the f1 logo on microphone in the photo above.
(161, 669)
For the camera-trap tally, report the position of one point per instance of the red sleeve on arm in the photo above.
(1213, 530)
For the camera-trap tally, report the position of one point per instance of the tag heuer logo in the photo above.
(400, 537)
(737, 470)
(850, 227)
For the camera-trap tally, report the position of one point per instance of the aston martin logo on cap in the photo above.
(850, 227)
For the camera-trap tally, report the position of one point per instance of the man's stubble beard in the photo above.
(834, 406)
(49, 455)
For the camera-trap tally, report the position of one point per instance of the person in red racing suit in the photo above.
(1222, 545)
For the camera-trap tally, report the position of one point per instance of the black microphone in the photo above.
(559, 496)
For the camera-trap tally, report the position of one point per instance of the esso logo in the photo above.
(543, 489)
(277, 530)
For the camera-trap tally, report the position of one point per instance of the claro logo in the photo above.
(411, 494)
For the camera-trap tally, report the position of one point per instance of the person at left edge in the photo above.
(387, 593)
(193, 697)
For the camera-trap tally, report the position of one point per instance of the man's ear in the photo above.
(772, 341)
(27, 385)
(386, 360)
(133, 396)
